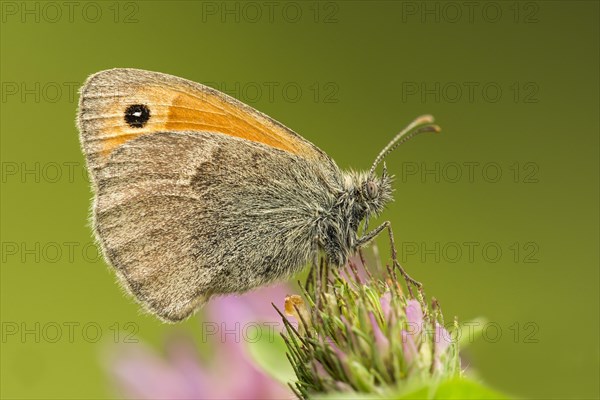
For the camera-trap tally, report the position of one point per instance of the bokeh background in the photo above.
(498, 215)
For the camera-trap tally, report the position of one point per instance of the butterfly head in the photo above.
(374, 192)
(364, 195)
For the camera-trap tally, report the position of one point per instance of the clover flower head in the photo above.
(354, 332)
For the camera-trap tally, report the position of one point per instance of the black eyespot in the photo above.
(136, 115)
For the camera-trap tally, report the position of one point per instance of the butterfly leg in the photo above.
(373, 234)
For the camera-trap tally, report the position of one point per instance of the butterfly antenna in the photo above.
(422, 124)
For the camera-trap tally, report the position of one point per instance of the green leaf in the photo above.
(454, 389)
(459, 389)
(466, 389)
(268, 352)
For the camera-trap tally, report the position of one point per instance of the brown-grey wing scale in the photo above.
(188, 215)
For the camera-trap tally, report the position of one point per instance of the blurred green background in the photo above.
(498, 215)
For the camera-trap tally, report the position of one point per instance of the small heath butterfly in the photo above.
(198, 194)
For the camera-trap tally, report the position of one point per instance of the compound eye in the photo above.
(372, 189)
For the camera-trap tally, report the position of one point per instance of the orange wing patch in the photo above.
(174, 105)
(216, 115)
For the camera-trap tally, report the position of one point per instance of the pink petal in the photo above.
(140, 374)
(442, 342)
(381, 341)
(409, 347)
(234, 312)
(385, 302)
(411, 336)
(414, 316)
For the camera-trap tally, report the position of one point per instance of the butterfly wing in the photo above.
(119, 105)
(186, 214)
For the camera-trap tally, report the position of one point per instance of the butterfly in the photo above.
(198, 194)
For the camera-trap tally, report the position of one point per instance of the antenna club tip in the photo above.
(429, 128)
(425, 119)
